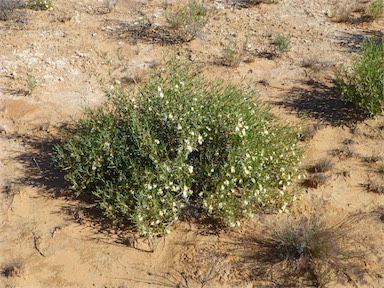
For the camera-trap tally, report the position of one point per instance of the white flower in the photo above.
(200, 139)
(161, 95)
(189, 148)
(246, 171)
(185, 191)
(159, 88)
(190, 169)
(157, 141)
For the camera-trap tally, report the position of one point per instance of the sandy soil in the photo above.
(50, 240)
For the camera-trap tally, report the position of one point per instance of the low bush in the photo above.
(181, 146)
(363, 84)
(40, 4)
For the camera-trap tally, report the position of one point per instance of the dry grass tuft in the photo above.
(305, 251)
(324, 165)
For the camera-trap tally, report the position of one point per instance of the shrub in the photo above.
(363, 85)
(181, 144)
(40, 4)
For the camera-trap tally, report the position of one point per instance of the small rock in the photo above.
(2, 130)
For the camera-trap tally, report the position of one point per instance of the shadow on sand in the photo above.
(323, 103)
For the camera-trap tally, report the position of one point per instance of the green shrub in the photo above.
(40, 4)
(363, 85)
(181, 146)
(376, 8)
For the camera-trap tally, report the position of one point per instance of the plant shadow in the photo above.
(323, 103)
(352, 41)
(41, 171)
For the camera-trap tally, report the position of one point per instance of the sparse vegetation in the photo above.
(30, 82)
(181, 145)
(190, 17)
(308, 251)
(376, 8)
(321, 166)
(40, 4)
(316, 180)
(281, 43)
(13, 269)
(308, 131)
(344, 153)
(363, 84)
(375, 186)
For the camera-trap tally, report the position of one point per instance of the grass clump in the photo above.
(363, 85)
(323, 165)
(281, 43)
(307, 251)
(181, 145)
(190, 17)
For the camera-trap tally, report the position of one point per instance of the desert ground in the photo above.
(53, 63)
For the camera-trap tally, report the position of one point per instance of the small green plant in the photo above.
(281, 43)
(30, 82)
(231, 54)
(190, 17)
(40, 4)
(363, 84)
(181, 145)
(309, 250)
(376, 8)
